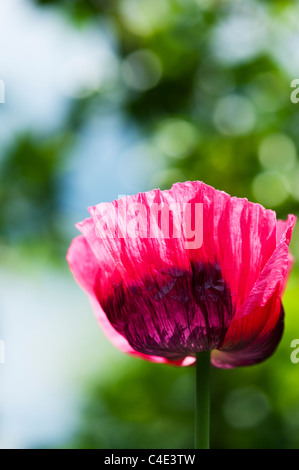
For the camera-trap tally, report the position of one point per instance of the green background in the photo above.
(205, 85)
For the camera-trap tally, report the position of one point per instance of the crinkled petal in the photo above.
(238, 235)
(260, 349)
(173, 314)
(164, 298)
(86, 269)
(257, 326)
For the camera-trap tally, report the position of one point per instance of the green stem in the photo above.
(202, 409)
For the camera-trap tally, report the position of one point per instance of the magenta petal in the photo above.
(136, 257)
(286, 226)
(238, 235)
(173, 314)
(258, 349)
(257, 326)
(164, 300)
(85, 269)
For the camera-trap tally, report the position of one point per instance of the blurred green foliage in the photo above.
(175, 64)
(209, 91)
(29, 196)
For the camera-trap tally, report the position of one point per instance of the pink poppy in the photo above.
(173, 273)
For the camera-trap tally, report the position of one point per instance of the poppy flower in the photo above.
(174, 273)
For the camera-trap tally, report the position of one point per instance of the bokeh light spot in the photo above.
(277, 152)
(144, 17)
(242, 34)
(270, 188)
(141, 70)
(246, 407)
(176, 137)
(234, 115)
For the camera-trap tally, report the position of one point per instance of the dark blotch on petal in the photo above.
(175, 313)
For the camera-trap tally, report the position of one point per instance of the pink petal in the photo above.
(257, 326)
(241, 240)
(85, 270)
(240, 236)
(173, 314)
